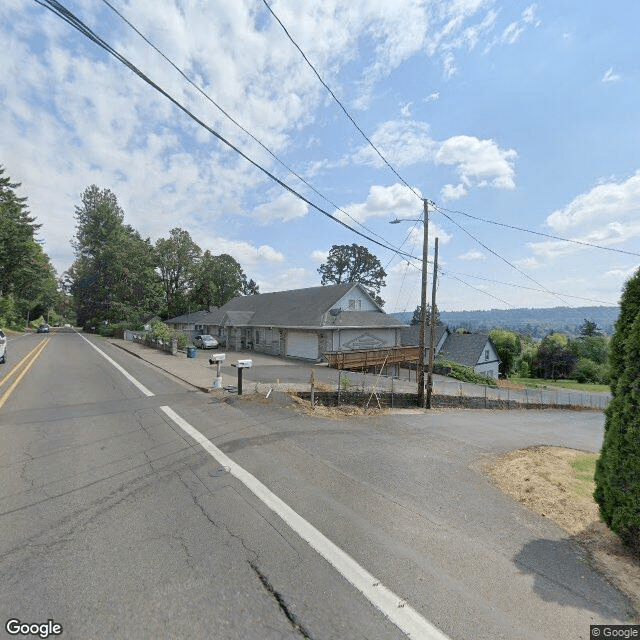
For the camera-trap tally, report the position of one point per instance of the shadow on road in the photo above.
(562, 574)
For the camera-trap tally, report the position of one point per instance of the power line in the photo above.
(333, 95)
(520, 286)
(539, 233)
(501, 258)
(66, 15)
(238, 124)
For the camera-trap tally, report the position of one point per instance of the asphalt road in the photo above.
(117, 524)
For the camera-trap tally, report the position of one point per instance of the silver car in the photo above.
(205, 342)
(3, 347)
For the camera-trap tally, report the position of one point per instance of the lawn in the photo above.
(539, 383)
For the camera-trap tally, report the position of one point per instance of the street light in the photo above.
(423, 303)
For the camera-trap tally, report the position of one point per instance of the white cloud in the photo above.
(472, 255)
(527, 263)
(512, 32)
(283, 208)
(405, 143)
(406, 110)
(610, 76)
(396, 201)
(402, 142)
(432, 97)
(480, 162)
(610, 202)
(318, 256)
(450, 192)
(621, 273)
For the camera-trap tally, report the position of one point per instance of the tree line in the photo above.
(29, 289)
(584, 358)
(119, 278)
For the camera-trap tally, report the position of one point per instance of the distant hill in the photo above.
(535, 322)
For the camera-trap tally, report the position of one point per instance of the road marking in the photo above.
(405, 617)
(34, 353)
(17, 367)
(397, 610)
(125, 373)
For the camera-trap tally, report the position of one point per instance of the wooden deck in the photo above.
(363, 358)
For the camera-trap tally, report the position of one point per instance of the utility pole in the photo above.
(423, 307)
(432, 338)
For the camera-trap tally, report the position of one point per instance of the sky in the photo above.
(519, 113)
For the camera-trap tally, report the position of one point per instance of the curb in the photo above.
(153, 364)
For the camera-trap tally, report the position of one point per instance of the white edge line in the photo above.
(125, 373)
(398, 611)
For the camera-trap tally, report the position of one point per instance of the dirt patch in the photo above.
(335, 412)
(558, 483)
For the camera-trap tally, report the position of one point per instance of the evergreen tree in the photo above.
(415, 319)
(113, 276)
(27, 278)
(617, 476)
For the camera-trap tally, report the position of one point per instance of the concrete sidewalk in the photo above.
(198, 373)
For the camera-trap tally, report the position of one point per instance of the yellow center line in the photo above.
(33, 354)
(17, 367)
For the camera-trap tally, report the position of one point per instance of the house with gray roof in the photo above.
(303, 323)
(472, 350)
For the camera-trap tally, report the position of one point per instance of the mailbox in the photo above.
(245, 364)
(218, 357)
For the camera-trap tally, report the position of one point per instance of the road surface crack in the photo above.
(283, 606)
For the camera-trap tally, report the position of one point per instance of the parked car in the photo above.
(205, 342)
(43, 328)
(3, 347)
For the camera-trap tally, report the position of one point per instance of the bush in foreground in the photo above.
(617, 476)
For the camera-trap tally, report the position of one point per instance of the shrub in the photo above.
(183, 341)
(617, 477)
(460, 372)
(589, 371)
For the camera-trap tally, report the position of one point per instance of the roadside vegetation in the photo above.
(617, 476)
(557, 360)
(30, 293)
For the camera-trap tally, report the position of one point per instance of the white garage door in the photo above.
(302, 345)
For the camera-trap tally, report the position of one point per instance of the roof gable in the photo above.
(466, 348)
(294, 308)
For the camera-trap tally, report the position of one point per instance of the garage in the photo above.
(302, 344)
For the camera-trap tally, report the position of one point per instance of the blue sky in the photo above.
(517, 112)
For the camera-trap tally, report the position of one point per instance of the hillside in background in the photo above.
(535, 322)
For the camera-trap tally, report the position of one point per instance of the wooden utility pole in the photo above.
(423, 307)
(432, 338)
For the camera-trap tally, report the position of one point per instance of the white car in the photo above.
(205, 342)
(3, 347)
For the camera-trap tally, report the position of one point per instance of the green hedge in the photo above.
(460, 372)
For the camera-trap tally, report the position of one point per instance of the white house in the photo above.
(302, 323)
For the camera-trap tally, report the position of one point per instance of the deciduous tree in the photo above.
(217, 280)
(354, 263)
(177, 259)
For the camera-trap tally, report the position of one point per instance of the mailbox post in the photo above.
(240, 365)
(217, 359)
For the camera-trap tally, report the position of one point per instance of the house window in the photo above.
(486, 354)
(355, 305)
(257, 337)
